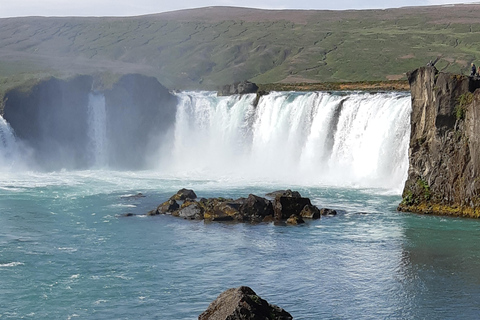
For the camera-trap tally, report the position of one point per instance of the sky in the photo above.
(18, 8)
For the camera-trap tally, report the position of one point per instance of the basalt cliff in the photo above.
(72, 123)
(444, 153)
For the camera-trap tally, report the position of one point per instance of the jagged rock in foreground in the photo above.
(444, 152)
(243, 304)
(289, 205)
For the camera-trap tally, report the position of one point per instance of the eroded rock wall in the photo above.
(52, 119)
(444, 144)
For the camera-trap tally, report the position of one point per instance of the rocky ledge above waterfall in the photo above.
(444, 151)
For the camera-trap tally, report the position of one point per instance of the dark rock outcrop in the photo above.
(254, 209)
(168, 207)
(184, 194)
(295, 219)
(328, 212)
(243, 304)
(444, 151)
(53, 119)
(286, 205)
(284, 193)
(191, 210)
(310, 212)
(242, 87)
(219, 209)
(139, 112)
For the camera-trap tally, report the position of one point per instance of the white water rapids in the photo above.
(316, 138)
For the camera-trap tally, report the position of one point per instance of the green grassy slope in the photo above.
(204, 48)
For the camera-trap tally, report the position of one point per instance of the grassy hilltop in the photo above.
(208, 47)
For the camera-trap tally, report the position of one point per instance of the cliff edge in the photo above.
(444, 152)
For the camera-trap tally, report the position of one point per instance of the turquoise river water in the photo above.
(66, 251)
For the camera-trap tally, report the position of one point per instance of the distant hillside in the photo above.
(204, 48)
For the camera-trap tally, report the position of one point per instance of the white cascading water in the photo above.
(8, 144)
(356, 139)
(97, 130)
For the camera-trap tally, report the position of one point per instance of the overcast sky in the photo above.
(16, 8)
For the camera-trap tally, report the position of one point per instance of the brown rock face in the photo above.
(242, 304)
(444, 152)
(284, 207)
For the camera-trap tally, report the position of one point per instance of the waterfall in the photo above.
(8, 144)
(356, 139)
(97, 130)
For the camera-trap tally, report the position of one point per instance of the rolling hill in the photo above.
(207, 47)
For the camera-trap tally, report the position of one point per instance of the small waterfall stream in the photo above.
(97, 130)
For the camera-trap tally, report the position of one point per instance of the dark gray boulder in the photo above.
(284, 207)
(242, 87)
(184, 194)
(256, 209)
(243, 304)
(284, 193)
(190, 210)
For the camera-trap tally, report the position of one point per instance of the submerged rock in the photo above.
(243, 304)
(310, 212)
(328, 212)
(295, 219)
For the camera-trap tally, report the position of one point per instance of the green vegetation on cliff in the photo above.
(205, 48)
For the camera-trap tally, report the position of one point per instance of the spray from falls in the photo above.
(356, 139)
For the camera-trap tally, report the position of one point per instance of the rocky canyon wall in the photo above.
(67, 123)
(444, 154)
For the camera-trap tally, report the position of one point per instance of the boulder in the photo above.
(295, 219)
(284, 207)
(328, 212)
(168, 207)
(191, 210)
(284, 193)
(242, 87)
(310, 212)
(256, 209)
(184, 194)
(243, 304)
(220, 209)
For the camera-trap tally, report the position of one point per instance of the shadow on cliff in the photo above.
(68, 125)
